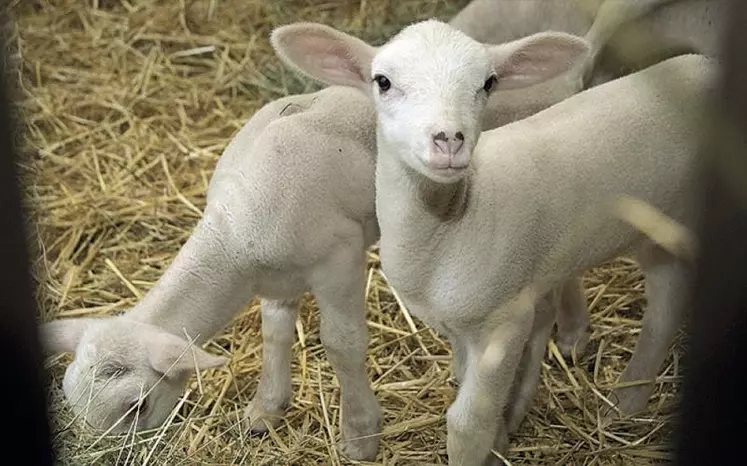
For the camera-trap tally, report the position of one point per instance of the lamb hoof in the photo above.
(361, 429)
(501, 443)
(566, 344)
(360, 449)
(609, 415)
(630, 401)
(501, 446)
(258, 420)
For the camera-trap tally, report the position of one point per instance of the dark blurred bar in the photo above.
(713, 416)
(27, 432)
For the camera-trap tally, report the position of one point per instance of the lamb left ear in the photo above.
(62, 336)
(536, 58)
(325, 54)
(169, 353)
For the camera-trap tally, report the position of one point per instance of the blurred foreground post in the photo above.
(26, 438)
(713, 422)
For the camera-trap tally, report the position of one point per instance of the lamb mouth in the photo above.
(450, 170)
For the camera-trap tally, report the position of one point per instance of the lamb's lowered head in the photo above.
(430, 83)
(125, 371)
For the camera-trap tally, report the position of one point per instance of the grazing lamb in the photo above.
(472, 223)
(320, 148)
(290, 208)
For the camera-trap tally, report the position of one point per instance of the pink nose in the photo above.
(448, 144)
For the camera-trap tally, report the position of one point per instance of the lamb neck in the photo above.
(202, 289)
(428, 244)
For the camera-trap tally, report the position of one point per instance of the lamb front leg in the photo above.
(275, 390)
(339, 289)
(666, 280)
(475, 421)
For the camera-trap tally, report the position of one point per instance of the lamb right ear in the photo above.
(62, 336)
(536, 58)
(325, 54)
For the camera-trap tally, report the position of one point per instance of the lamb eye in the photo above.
(112, 371)
(383, 82)
(137, 406)
(488, 86)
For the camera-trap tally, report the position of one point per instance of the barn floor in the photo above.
(126, 108)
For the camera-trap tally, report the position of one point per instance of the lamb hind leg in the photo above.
(339, 289)
(666, 287)
(572, 318)
(566, 305)
(275, 390)
(458, 357)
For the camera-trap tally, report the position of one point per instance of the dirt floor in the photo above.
(126, 107)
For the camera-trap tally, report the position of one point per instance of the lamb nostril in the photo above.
(448, 145)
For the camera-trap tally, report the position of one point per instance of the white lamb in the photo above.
(678, 26)
(471, 223)
(290, 208)
(313, 155)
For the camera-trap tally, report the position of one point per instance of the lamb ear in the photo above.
(168, 353)
(537, 58)
(325, 54)
(62, 336)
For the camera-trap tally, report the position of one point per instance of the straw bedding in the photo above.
(126, 107)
